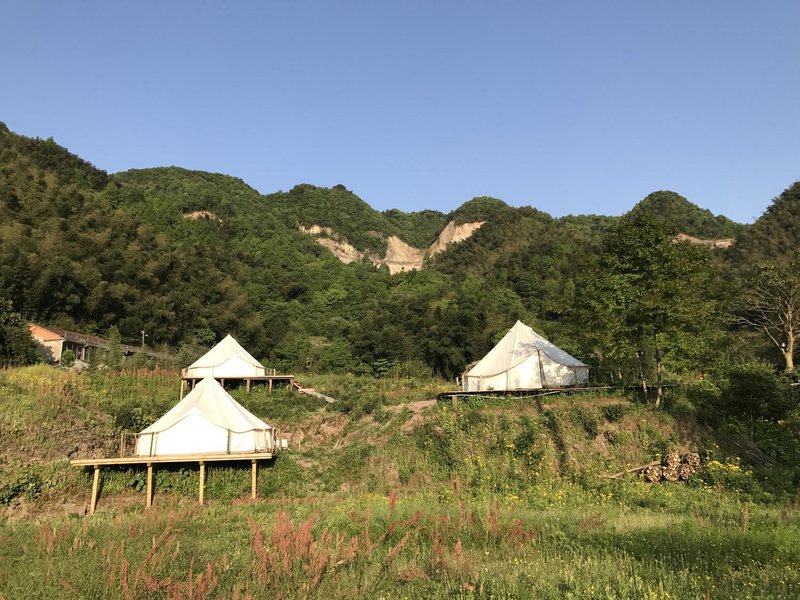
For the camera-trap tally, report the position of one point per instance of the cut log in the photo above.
(669, 473)
(685, 471)
(671, 461)
(652, 474)
(692, 459)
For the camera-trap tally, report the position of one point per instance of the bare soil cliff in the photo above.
(399, 255)
(452, 234)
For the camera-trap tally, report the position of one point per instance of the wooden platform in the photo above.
(270, 380)
(454, 395)
(171, 458)
(519, 392)
(149, 461)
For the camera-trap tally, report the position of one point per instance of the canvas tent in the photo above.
(524, 360)
(226, 360)
(207, 421)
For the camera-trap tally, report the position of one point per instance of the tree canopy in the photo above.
(188, 255)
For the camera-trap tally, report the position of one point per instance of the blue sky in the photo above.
(571, 107)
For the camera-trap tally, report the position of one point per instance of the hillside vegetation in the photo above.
(384, 494)
(190, 256)
(688, 218)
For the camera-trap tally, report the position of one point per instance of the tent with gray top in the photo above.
(525, 360)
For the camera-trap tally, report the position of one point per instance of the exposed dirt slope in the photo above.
(400, 256)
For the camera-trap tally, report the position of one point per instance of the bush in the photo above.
(753, 390)
(728, 475)
(67, 358)
(588, 420)
(614, 412)
(27, 486)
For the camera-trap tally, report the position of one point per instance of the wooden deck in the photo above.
(149, 461)
(188, 382)
(454, 395)
(171, 458)
(519, 392)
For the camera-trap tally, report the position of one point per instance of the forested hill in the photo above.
(775, 234)
(189, 256)
(169, 195)
(688, 218)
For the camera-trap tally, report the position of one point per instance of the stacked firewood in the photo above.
(673, 468)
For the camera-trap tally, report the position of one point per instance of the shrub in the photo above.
(588, 420)
(729, 476)
(67, 358)
(27, 486)
(614, 412)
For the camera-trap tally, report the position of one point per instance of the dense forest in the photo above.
(189, 256)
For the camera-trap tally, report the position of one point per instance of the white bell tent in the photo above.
(525, 360)
(226, 360)
(207, 421)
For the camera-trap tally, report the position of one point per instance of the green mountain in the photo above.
(187, 255)
(68, 255)
(686, 217)
(774, 235)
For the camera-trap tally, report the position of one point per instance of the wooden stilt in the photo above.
(149, 500)
(183, 387)
(202, 481)
(270, 387)
(253, 480)
(454, 400)
(248, 386)
(95, 488)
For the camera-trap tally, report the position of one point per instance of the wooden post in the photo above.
(121, 444)
(253, 479)
(270, 386)
(202, 481)
(248, 386)
(183, 387)
(95, 488)
(222, 383)
(229, 442)
(149, 500)
(454, 400)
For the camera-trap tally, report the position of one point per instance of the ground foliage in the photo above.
(496, 497)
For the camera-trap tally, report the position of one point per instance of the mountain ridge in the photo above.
(191, 255)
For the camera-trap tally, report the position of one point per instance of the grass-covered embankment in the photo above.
(622, 541)
(378, 497)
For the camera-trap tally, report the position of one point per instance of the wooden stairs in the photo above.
(311, 392)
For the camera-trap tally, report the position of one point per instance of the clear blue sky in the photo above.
(571, 107)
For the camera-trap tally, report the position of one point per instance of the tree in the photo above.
(67, 359)
(647, 297)
(115, 356)
(16, 344)
(770, 303)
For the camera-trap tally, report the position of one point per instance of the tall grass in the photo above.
(372, 546)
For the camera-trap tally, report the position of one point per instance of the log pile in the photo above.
(672, 468)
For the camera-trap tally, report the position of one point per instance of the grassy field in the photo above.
(623, 542)
(389, 497)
